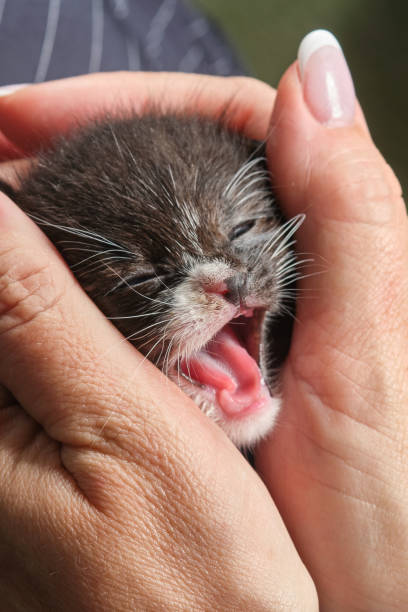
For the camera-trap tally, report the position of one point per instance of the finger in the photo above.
(127, 435)
(62, 360)
(12, 171)
(32, 116)
(336, 459)
(8, 150)
(356, 224)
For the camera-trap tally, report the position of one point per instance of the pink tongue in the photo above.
(226, 366)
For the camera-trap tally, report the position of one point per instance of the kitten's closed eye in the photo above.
(241, 229)
(141, 279)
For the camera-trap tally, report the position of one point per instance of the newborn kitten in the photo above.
(170, 226)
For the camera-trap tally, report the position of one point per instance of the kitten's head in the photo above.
(171, 227)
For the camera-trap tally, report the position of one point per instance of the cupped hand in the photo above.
(116, 492)
(337, 464)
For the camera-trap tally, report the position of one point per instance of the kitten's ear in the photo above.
(7, 189)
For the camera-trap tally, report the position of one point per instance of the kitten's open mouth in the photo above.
(229, 366)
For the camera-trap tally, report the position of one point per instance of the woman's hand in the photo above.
(337, 464)
(116, 492)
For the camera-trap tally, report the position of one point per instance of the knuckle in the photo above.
(141, 445)
(251, 83)
(358, 185)
(249, 107)
(28, 287)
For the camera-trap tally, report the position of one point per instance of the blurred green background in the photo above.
(374, 37)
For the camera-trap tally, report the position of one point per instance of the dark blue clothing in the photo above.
(49, 39)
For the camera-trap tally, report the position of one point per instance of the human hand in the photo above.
(116, 492)
(337, 464)
(320, 455)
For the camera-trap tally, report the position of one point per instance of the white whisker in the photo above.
(124, 281)
(92, 267)
(83, 233)
(146, 314)
(96, 254)
(297, 277)
(241, 172)
(137, 333)
(259, 176)
(282, 271)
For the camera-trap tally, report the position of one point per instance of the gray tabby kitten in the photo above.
(170, 226)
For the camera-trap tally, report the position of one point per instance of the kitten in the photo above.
(171, 227)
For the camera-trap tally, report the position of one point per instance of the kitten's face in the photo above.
(202, 318)
(183, 250)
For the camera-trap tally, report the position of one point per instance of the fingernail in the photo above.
(328, 88)
(6, 90)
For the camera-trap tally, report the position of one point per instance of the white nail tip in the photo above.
(312, 42)
(9, 89)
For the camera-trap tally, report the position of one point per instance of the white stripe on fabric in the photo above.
(121, 9)
(158, 26)
(199, 27)
(194, 56)
(133, 53)
(191, 60)
(222, 66)
(49, 40)
(2, 6)
(95, 59)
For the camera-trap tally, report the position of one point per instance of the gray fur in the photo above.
(147, 210)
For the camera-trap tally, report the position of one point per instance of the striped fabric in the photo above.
(48, 39)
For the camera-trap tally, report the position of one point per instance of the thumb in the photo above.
(333, 465)
(325, 164)
(323, 160)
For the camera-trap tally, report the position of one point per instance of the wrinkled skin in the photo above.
(117, 492)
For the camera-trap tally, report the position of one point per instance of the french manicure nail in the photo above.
(6, 90)
(328, 88)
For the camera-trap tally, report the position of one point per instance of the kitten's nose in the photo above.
(233, 289)
(219, 287)
(236, 289)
